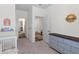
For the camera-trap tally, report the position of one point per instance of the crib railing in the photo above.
(8, 43)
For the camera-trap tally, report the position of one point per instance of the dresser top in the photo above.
(65, 36)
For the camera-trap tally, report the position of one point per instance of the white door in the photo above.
(45, 30)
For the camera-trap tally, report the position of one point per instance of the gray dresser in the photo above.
(64, 44)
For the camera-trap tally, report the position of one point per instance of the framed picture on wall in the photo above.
(6, 25)
(6, 22)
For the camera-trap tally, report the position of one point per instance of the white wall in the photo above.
(38, 25)
(57, 15)
(39, 12)
(8, 11)
(36, 12)
(22, 14)
(30, 25)
(29, 21)
(32, 13)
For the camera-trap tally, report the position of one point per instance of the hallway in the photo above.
(26, 47)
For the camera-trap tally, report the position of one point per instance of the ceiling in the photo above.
(23, 6)
(27, 6)
(42, 5)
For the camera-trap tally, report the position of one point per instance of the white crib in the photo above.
(8, 45)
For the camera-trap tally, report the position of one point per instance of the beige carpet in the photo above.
(27, 47)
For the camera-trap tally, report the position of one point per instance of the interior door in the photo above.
(45, 23)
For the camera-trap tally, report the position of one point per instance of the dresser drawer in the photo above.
(60, 47)
(75, 50)
(67, 48)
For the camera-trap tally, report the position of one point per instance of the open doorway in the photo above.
(38, 29)
(21, 32)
